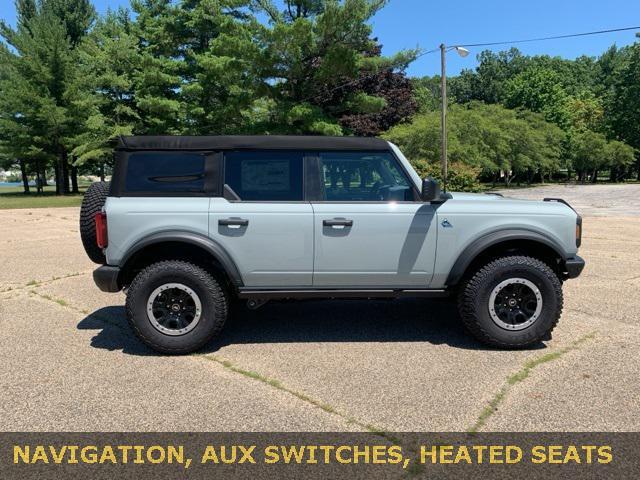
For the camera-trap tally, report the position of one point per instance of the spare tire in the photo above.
(92, 203)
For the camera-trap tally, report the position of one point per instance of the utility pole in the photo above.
(443, 114)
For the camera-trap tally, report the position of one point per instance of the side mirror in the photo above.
(430, 190)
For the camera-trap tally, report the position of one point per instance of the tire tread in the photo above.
(92, 203)
(471, 290)
(214, 290)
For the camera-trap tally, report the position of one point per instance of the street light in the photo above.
(463, 52)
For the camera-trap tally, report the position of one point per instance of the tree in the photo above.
(38, 120)
(620, 157)
(220, 53)
(493, 71)
(373, 103)
(25, 11)
(109, 60)
(77, 16)
(35, 92)
(589, 154)
(317, 65)
(158, 81)
(624, 104)
(490, 138)
(585, 111)
(538, 90)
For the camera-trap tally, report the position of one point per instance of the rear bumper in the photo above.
(574, 266)
(106, 278)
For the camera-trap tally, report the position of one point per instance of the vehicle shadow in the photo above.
(434, 321)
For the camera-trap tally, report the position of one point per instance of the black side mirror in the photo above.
(430, 190)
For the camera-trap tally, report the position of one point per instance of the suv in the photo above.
(188, 225)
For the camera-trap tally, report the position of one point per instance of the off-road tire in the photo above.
(475, 292)
(92, 203)
(212, 296)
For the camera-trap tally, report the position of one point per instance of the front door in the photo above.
(370, 229)
(268, 228)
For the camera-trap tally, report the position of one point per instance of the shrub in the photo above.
(461, 177)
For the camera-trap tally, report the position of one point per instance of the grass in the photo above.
(520, 376)
(14, 197)
(272, 382)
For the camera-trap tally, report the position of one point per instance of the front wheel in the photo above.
(511, 302)
(176, 307)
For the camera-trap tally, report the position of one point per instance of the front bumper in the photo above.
(574, 266)
(106, 278)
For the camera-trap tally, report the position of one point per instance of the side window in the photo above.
(152, 172)
(366, 176)
(265, 175)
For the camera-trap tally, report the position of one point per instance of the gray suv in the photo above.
(190, 225)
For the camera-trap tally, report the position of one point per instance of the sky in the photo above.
(426, 24)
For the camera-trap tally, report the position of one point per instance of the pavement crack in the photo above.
(63, 303)
(60, 301)
(278, 385)
(38, 283)
(602, 319)
(520, 376)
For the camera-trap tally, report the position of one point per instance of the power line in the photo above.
(528, 40)
(540, 39)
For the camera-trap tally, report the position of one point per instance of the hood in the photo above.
(475, 196)
(498, 204)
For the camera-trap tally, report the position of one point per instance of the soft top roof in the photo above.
(250, 142)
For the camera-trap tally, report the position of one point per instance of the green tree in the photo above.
(585, 111)
(158, 82)
(589, 154)
(620, 157)
(220, 86)
(427, 93)
(37, 98)
(25, 11)
(35, 94)
(490, 138)
(493, 71)
(315, 53)
(76, 15)
(624, 104)
(539, 90)
(109, 61)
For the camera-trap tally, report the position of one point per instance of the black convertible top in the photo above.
(250, 142)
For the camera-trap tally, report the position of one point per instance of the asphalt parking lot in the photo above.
(70, 362)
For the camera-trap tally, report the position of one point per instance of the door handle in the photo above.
(233, 222)
(337, 222)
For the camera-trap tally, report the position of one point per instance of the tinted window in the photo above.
(370, 176)
(265, 175)
(165, 172)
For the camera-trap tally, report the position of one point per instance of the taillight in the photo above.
(101, 230)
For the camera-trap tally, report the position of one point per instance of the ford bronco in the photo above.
(190, 225)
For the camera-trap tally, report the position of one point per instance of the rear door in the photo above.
(264, 222)
(370, 228)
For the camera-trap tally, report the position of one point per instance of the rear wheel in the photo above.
(176, 307)
(92, 203)
(511, 302)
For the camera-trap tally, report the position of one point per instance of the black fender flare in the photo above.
(486, 241)
(214, 248)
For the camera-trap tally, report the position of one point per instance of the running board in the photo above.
(248, 293)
